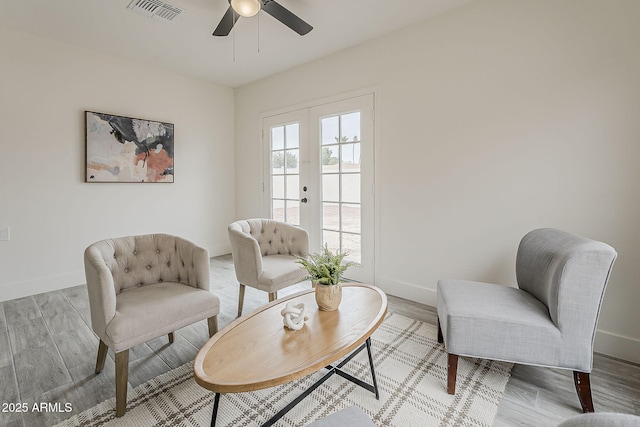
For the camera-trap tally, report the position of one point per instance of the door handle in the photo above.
(304, 200)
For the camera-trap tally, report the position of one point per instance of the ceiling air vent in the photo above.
(156, 9)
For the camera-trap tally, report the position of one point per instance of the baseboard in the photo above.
(218, 250)
(40, 285)
(619, 346)
(407, 290)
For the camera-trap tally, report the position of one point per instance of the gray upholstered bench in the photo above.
(351, 416)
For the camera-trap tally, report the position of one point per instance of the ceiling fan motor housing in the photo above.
(249, 8)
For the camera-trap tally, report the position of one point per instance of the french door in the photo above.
(319, 164)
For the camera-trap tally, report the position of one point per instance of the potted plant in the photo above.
(325, 272)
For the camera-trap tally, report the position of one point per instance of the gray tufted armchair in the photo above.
(143, 287)
(264, 254)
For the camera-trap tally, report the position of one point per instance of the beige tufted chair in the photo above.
(143, 287)
(264, 254)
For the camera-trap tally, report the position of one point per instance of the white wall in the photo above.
(493, 119)
(45, 88)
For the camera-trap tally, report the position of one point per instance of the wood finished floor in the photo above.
(48, 353)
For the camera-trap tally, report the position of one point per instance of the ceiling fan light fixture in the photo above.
(246, 8)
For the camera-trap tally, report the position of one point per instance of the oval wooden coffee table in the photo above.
(256, 351)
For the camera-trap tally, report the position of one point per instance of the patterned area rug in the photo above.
(410, 368)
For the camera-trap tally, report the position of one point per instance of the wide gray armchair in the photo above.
(143, 287)
(264, 255)
(549, 320)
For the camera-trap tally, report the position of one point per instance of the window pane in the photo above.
(332, 239)
(277, 187)
(351, 187)
(293, 212)
(331, 187)
(352, 244)
(293, 135)
(351, 126)
(350, 157)
(292, 160)
(330, 159)
(277, 162)
(331, 216)
(277, 138)
(351, 218)
(330, 130)
(278, 210)
(293, 187)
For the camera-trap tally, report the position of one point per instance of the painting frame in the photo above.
(128, 149)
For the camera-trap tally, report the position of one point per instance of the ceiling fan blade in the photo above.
(226, 23)
(286, 17)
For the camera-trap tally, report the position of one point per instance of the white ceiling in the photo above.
(187, 46)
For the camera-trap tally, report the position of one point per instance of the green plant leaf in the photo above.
(325, 267)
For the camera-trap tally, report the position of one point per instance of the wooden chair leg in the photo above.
(452, 371)
(440, 337)
(213, 325)
(240, 299)
(122, 376)
(273, 296)
(583, 387)
(171, 337)
(102, 356)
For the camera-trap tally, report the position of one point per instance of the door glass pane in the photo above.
(277, 138)
(350, 187)
(293, 212)
(352, 244)
(292, 132)
(277, 210)
(292, 160)
(331, 216)
(350, 157)
(350, 215)
(332, 239)
(331, 187)
(330, 130)
(277, 162)
(350, 126)
(277, 186)
(293, 187)
(330, 159)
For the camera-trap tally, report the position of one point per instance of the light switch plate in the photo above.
(5, 233)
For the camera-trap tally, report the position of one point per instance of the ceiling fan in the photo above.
(248, 8)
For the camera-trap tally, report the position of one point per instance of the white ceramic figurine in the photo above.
(294, 316)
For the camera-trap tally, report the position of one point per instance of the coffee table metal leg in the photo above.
(333, 370)
(214, 414)
(297, 400)
(373, 372)
(343, 374)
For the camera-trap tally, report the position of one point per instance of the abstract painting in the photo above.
(124, 149)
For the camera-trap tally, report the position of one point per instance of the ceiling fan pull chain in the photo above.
(259, 32)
